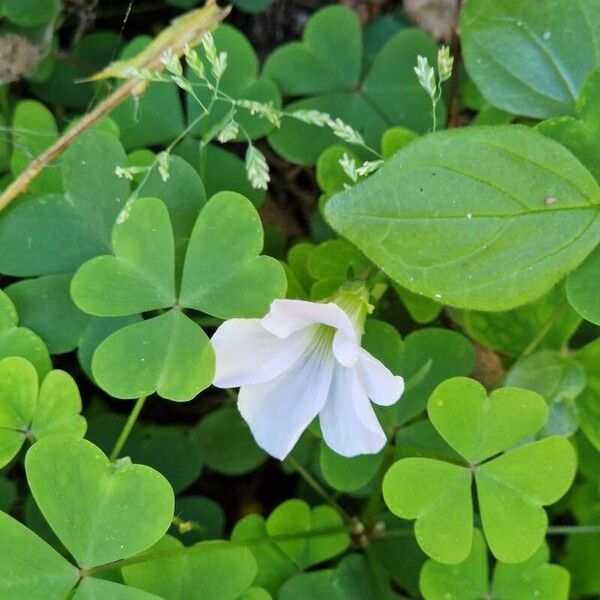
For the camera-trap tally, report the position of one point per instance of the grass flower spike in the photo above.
(301, 360)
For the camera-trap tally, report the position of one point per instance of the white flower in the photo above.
(301, 360)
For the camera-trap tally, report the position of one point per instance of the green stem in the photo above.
(374, 505)
(543, 332)
(174, 552)
(315, 485)
(135, 413)
(573, 529)
(287, 537)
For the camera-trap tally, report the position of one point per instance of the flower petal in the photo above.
(345, 349)
(287, 316)
(348, 422)
(382, 386)
(247, 354)
(280, 410)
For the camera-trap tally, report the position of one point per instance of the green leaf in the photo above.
(31, 569)
(330, 175)
(274, 567)
(546, 53)
(227, 444)
(420, 308)
(438, 496)
(467, 580)
(208, 571)
(223, 171)
(348, 474)
(100, 512)
(20, 341)
(559, 379)
(353, 579)
(588, 402)
(97, 331)
(31, 13)
(430, 355)
(228, 231)
(388, 95)
(493, 242)
(512, 490)
(34, 130)
(204, 511)
(583, 288)
(580, 135)
(327, 59)
(153, 118)
(294, 517)
(57, 320)
(99, 589)
(183, 194)
(52, 233)
(168, 354)
(479, 427)
(534, 578)
(548, 322)
(240, 80)
(26, 414)
(141, 275)
(64, 87)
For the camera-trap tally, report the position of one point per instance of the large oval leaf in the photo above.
(484, 218)
(531, 58)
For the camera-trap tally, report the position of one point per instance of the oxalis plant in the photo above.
(322, 325)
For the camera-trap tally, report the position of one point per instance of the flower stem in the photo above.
(374, 504)
(571, 529)
(315, 485)
(135, 413)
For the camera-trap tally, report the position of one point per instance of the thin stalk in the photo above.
(133, 416)
(573, 529)
(209, 547)
(315, 485)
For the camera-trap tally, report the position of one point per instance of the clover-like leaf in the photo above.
(510, 332)
(30, 568)
(91, 588)
(34, 130)
(354, 578)
(547, 52)
(479, 192)
(228, 232)
(479, 426)
(20, 341)
(26, 412)
(438, 495)
(100, 512)
(55, 233)
(296, 516)
(140, 276)
(326, 66)
(512, 488)
(168, 354)
(556, 377)
(469, 580)
(210, 571)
